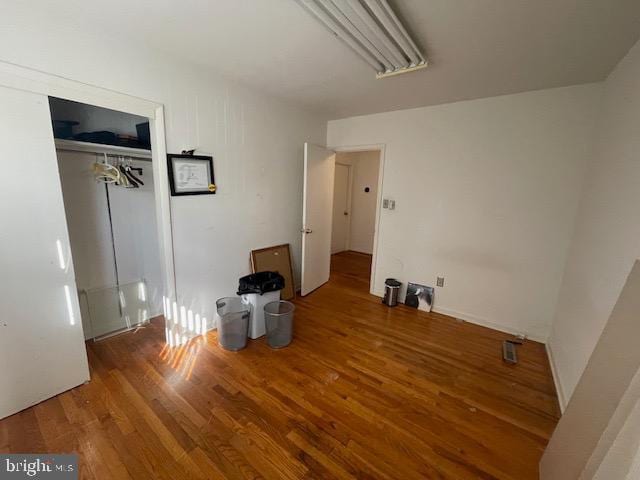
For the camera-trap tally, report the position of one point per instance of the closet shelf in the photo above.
(76, 146)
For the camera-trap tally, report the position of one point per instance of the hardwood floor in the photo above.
(364, 391)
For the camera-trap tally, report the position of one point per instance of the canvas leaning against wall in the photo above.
(419, 296)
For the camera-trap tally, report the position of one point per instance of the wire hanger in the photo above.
(119, 173)
(105, 172)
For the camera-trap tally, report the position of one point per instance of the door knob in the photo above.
(306, 230)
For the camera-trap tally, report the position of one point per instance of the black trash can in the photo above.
(391, 292)
(260, 282)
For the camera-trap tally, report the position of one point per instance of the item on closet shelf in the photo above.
(124, 140)
(144, 134)
(275, 259)
(64, 128)
(104, 137)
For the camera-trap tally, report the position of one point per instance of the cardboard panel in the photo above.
(276, 259)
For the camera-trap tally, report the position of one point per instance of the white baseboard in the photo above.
(359, 251)
(487, 323)
(562, 399)
(477, 320)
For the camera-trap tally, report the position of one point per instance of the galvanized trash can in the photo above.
(233, 323)
(391, 292)
(278, 318)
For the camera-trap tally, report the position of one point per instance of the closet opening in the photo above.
(105, 166)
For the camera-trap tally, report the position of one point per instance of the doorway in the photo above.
(359, 189)
(355, 210)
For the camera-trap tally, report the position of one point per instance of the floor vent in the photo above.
(509, 353)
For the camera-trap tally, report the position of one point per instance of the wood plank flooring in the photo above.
(364, 391)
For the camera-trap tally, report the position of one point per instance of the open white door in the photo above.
(317, 215)
(42, 351)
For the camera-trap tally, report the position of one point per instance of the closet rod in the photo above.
(97, 148)
(114, 155)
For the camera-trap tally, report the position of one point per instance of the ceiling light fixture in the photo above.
(372, 30)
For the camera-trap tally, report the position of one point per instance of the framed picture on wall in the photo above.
(191, 174)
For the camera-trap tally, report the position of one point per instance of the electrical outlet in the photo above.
(440, 282)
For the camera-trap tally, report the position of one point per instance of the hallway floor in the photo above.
(364, 391)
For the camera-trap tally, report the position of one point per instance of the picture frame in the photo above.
(276, 259)
(191, 175)
(419, 296)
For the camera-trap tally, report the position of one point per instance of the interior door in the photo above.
(317, 213)
(42, 351)
(340, 232)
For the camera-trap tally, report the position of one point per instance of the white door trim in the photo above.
(22, 78)
(380, 147)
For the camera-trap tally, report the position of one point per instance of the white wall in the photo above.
(607, 235)
(622, 459)
(601, 415)
(365, 166)
(256, 142)
(486, 195)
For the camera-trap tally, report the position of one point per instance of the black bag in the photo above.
(261, 282)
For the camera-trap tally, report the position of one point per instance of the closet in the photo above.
(108, 192)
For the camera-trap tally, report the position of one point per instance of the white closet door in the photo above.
(135, 232)
(85, 202)
(42, 351)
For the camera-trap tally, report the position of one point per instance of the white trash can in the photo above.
(257, 326)
(257, 290)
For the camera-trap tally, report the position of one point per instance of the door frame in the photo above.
(26, 79)
(379, 147)
(347, 240)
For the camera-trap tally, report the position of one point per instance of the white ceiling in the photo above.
(477, 48)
